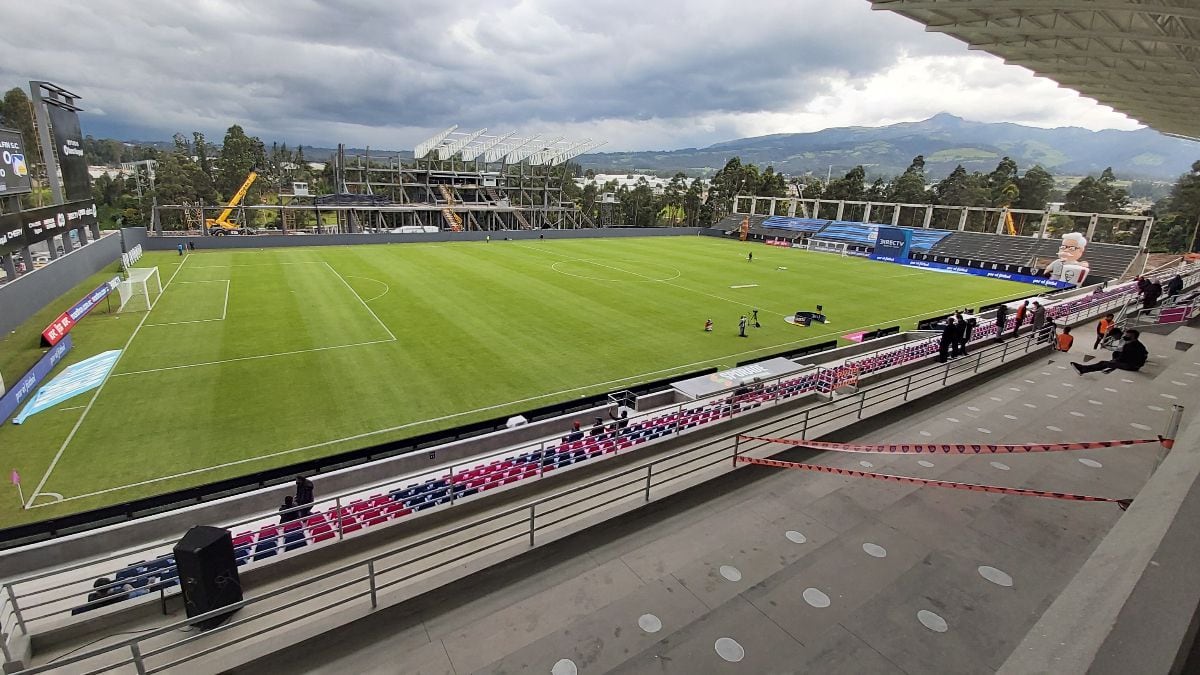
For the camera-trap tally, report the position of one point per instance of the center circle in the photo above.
(617, 271)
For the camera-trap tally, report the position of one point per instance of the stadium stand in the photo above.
(1110, 261)
(390, 503)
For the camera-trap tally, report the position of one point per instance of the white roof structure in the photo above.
(1141, 57)
(507, 148)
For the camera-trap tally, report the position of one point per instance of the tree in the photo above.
(1097, 195)
(850, 187)
(240, 154)
(909, 187)
(1034, 189)
(201, 147)
(1002, 183)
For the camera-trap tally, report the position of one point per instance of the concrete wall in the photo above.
(24, 296)
(165, 243)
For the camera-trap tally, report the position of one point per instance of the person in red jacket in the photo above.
(1020, 317)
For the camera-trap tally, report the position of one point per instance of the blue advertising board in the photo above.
(991, 274)
(24, 387)
(892, 244)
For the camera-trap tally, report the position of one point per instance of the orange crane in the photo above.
(221, 225)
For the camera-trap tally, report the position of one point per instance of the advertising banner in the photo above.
(892, 244)
(65, 321)
(14, 167)
(68, 145)
(991, 274)
(30, 227)
(23, 388)
(72, 381)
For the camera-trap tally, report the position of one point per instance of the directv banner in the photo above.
(65, 321)
(23, 228)
(892, 244)
(991, 274)
(24, 387)
(14, 168)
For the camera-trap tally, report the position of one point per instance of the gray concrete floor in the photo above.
(773, 565)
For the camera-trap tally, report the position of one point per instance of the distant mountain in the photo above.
(944, 140)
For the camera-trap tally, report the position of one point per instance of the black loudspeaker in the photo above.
(208, 573)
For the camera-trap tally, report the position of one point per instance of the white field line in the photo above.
(274, 264)
(386, 288)
(368, 434)
(741, 303)
(224, 309)
(88, 408)
(73, 408)
(364, 302)
(745, 286)
(252, 358)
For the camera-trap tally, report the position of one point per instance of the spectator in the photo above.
(1142, 284)
(1001, 321)
(1131, 356)
(1106, 324)
(1064, 341)
(597, 427)
(1151, 295)
(956, 337)
(304, 496)
(622, 420)
(576, 433)
(288, 511)
(1039, 320)
(1174, 286)
(946, 340)
(968, 326)
(1020, 318)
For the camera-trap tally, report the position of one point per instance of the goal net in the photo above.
(823, 246)
(140, 289)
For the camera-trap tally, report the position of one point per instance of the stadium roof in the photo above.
(1141, 57)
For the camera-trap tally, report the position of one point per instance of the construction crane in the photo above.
(221, 225)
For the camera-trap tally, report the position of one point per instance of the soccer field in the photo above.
(252, 359)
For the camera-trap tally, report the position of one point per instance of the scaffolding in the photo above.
(454, 180)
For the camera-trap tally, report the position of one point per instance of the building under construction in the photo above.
(454, 181)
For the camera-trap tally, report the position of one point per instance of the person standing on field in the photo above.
(750, 256)
(742, 326)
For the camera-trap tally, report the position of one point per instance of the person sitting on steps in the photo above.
(1131, 356)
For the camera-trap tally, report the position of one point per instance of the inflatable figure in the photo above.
(1070, 266)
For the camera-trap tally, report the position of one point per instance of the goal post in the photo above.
(140, 289)
(826, 246)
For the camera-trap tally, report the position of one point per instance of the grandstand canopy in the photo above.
(507, 148)
(1138, 56)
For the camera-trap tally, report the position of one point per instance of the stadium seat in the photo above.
(268, 541)
(293, 535)
(242, 543)
(319, 528)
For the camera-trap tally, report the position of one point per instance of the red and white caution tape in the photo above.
(973, 487)
(953, 448)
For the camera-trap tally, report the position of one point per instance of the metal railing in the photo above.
(553, 515)
(18, 607)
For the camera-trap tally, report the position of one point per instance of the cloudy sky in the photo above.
(646, 74)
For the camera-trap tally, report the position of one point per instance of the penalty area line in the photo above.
(251, 358)
(88, 408)
(368, 434)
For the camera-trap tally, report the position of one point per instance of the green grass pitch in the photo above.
(258, 358)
